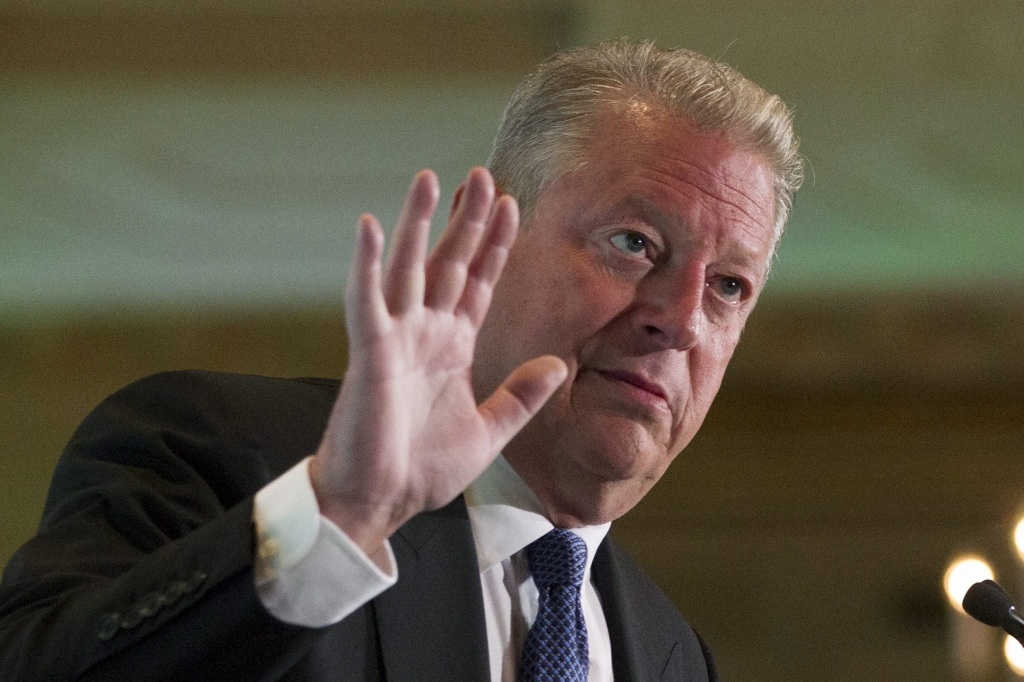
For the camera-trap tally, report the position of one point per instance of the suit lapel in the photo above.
(631, 659)
(431, 623)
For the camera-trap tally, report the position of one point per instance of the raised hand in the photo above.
(406, 433)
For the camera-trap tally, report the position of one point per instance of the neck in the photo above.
(589, 502)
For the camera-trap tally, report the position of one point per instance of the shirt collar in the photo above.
(506, 516)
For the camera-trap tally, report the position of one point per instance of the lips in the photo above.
(635, 380)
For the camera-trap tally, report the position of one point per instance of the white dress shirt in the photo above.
(309, 573)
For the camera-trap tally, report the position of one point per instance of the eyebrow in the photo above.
(649, 212)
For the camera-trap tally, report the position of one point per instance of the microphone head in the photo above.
(996, 585)
(987, 602)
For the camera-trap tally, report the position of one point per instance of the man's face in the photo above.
(638, 271)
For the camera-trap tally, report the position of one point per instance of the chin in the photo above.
(617, 449)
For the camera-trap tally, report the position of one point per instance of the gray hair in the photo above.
(545, 127)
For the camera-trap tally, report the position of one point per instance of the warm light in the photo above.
(1014, 655)
(1018, 538)
(961, 574)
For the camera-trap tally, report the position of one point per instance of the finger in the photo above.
(520, 397)
(404, 275)
(449, 263)
(489, 261)
(365, 310)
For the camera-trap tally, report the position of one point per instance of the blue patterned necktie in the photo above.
(555, 649)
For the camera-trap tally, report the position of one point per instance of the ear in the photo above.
(457, 198)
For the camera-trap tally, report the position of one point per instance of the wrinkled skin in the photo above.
(639, 272)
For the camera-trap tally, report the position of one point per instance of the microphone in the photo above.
(989, 603)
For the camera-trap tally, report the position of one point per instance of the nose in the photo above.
(671, 310)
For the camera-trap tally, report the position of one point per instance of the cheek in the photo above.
(593, 296)
(571, 303)
(706, 368)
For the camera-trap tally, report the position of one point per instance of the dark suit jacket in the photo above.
(142, 567)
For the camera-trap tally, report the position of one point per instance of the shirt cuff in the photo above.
(308, 572)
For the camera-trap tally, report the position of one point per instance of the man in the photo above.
(654, 187)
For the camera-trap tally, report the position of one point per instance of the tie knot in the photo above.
(557, 558)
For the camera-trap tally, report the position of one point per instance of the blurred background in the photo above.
(179, 186)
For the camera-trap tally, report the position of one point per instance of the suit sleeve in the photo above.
(143, 564)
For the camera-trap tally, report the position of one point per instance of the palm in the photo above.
(425, 411)
(406, 433)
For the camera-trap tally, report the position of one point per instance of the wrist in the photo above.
(367, 524)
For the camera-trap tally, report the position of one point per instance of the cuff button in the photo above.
(269, 548)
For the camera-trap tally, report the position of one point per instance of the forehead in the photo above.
(649, 154)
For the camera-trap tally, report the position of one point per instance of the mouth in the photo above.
(641, 388)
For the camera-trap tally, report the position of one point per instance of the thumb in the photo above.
(520, 397)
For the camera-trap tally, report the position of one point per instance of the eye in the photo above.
(731, 289)
(631, 243)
